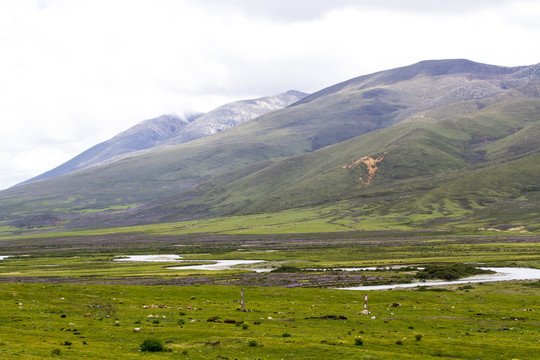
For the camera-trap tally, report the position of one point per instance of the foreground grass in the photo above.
(487, 321)
(42, 321)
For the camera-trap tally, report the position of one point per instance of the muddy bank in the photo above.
(287, 280)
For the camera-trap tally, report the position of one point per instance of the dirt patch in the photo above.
(286, 280)
(447, 318)
(328, 317)
(371, 165)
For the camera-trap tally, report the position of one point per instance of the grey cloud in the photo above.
(306, 10)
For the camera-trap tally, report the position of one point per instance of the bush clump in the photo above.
(286, 269)
(252, 343)
(151, 345)
(358, 342)
(449, 271)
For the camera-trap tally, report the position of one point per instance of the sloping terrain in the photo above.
(139, 137)
(233, 114)
(167, 130)
(409, 132)
(401, 162)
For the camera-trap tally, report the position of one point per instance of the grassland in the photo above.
(63, 296)
(458, 184)
(42, 321)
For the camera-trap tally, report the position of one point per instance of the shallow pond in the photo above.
(214, 264)
(150, 258)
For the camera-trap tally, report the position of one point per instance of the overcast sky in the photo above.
(74, 73)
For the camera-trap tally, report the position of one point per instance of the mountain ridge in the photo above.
(432, 123)
(167, 130)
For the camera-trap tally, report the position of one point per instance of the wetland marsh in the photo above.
(69, 297)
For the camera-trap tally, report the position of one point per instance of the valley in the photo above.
(434, 165)
(65, 295)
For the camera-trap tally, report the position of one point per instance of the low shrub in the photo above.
(358, 342)
(151, 345)
(286, 269)
(252, 343)
(418, 337)
(449, 271)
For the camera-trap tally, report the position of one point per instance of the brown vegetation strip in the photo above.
(287, 280)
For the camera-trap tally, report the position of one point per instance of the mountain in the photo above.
(426, 162)
(139, 137)
(168, 130)
(233, 114)
(413, 141)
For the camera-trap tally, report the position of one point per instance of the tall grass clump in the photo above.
(151, 345)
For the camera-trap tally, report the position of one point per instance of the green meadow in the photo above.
(310, 189)
(64, 321)
(63, 296)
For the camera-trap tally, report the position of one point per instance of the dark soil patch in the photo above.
(328, 317)
(255, 279)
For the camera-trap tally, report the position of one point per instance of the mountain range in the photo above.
(434, 140)
(167, 130)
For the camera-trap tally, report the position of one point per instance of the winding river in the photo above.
(502, 273)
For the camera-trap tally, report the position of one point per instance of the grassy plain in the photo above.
(63, 297)
(52, 321)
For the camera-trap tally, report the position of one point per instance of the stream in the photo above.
(502, 274)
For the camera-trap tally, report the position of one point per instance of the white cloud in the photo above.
(74, 73)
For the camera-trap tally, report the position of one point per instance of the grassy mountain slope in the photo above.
(142, 136)
(169, 130)
(307, 154)
(432, 160)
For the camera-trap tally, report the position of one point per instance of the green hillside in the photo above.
(415, 156)
(440, 139)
